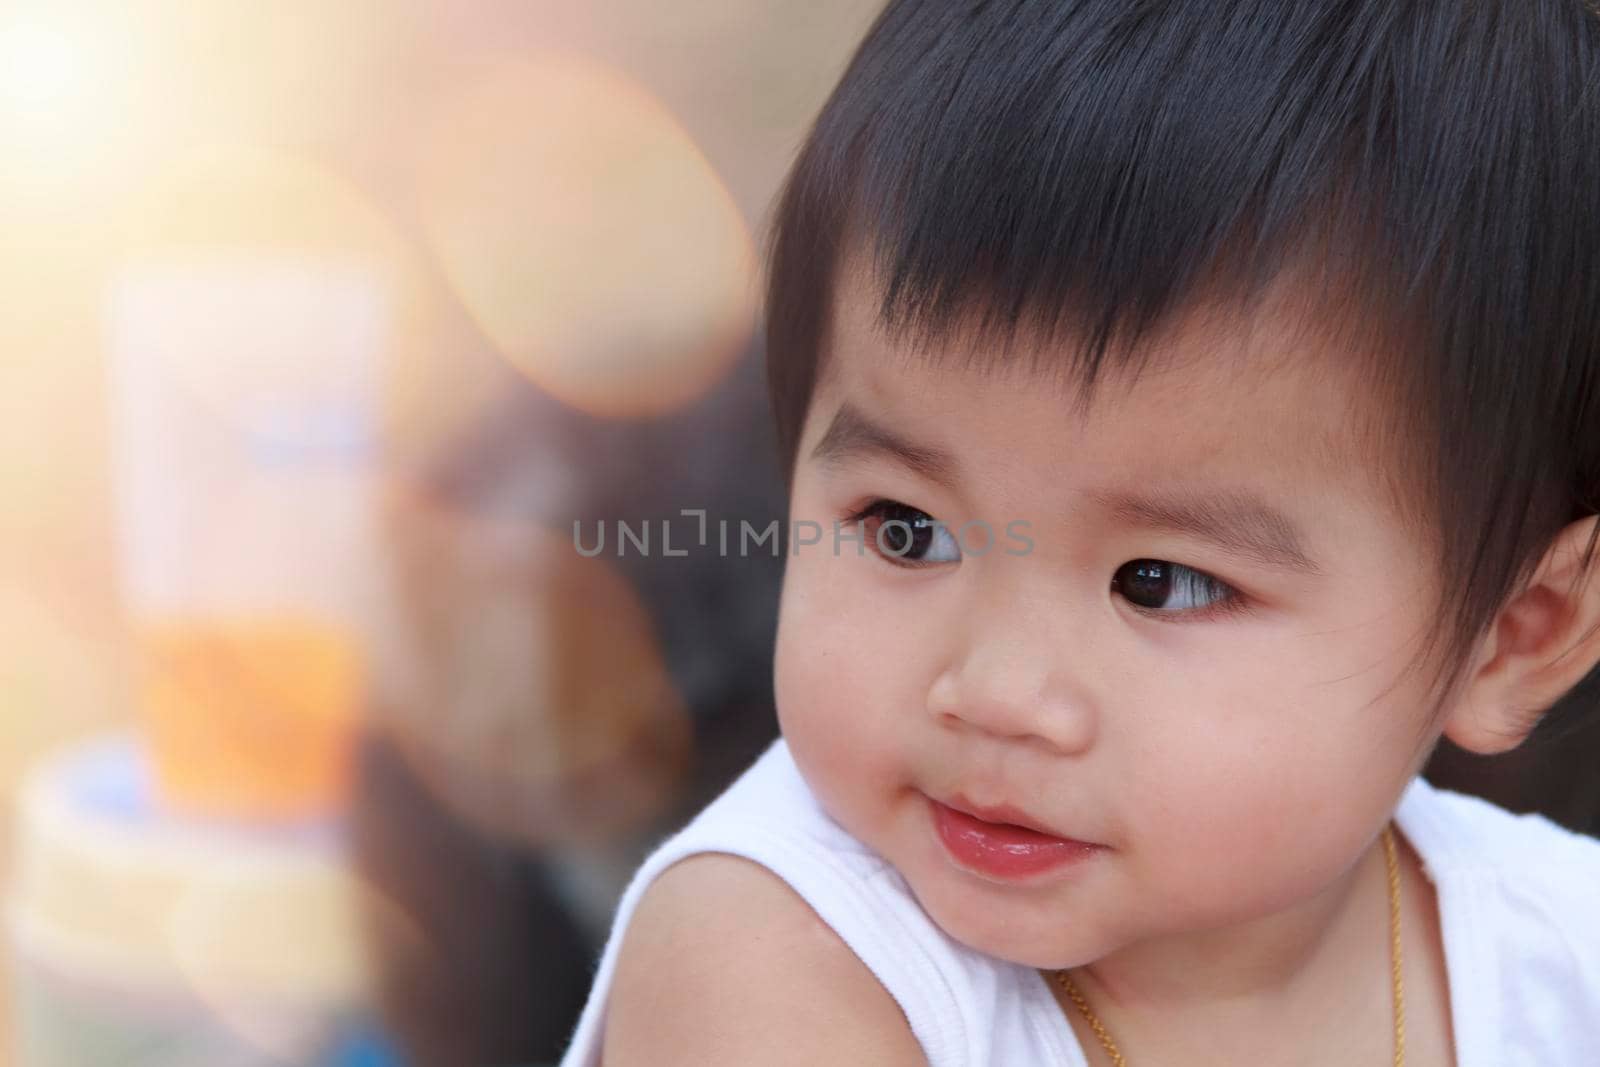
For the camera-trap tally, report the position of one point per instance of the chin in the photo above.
(1029, 944)
(991, 920)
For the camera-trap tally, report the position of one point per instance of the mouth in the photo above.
(1002, 815)
(1003, 843)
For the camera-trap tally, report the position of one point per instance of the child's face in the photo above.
(1232, 764)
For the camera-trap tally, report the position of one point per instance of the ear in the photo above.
(1539, 646)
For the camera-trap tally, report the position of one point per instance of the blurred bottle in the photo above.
(244, 393)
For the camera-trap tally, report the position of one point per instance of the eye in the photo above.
(905, 536)
(1160, 587)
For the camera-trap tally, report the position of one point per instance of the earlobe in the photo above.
(1541, 644)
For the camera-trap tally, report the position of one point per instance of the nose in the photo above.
(1012, 678)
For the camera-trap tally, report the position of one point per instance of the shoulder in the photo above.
(1516, 896)
(1462, 832)
(1528, 883)
(723, 963)
(1546, 870)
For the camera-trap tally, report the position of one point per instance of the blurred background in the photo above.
(323, 324)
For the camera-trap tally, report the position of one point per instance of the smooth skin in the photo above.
(1235, 747)
(724, 964)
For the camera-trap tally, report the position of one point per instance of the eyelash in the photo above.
(1232, 602)
(875, 507)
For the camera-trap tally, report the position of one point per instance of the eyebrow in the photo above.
(1235, 521)
(853, 436)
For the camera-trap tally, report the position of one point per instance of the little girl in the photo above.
(1191, 414)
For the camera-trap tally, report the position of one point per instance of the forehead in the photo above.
(1268, 400)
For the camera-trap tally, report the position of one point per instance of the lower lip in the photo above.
(998, 850)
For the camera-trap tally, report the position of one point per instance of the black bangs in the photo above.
(1116, 158)
(1089, 169)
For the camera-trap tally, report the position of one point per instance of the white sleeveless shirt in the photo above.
(1519, 904)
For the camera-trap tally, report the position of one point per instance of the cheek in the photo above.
(1233, 777)
(842, 705)
(1314, 707)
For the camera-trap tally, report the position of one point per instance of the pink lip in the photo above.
(1001, 842)
(1003, 813)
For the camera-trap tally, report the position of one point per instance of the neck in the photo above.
(1333, 941)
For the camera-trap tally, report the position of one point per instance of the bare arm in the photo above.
(723, 964)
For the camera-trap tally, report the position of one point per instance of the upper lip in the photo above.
(1002, 813)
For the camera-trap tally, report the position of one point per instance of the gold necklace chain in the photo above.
(1393, 863)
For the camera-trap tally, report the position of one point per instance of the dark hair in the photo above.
(1100, 166)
